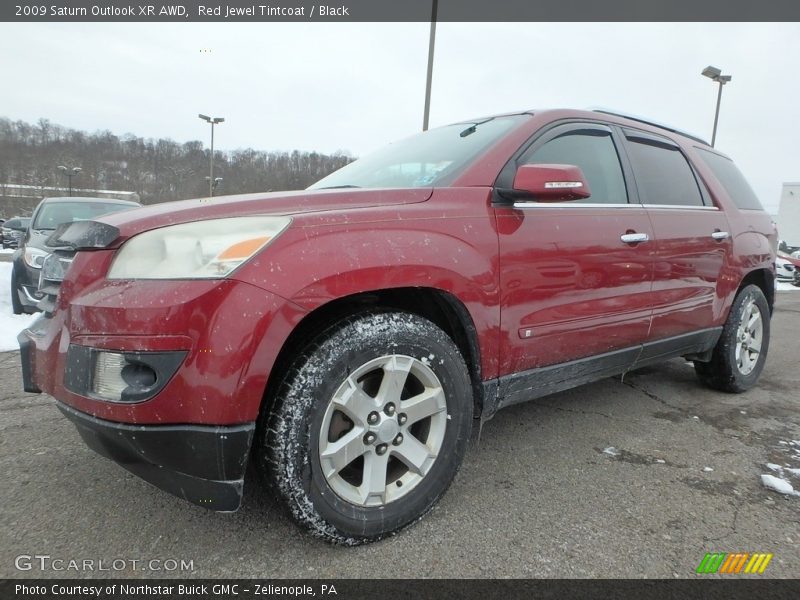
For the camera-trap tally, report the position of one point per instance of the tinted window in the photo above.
(731, 179)
(594, 152)
(12, 223)
(663, 175)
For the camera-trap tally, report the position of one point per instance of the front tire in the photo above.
(368, 427)
(739, 356)
(16, 305)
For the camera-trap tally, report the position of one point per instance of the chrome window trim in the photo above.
(681, 207)
(600, 205)
(574, 205)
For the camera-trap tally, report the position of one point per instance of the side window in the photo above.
(663, 175)
(594, 152)
(731, 179)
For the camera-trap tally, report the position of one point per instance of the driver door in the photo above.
(572, 287)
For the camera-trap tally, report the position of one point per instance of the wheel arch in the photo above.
(440, 307)
(765, 280)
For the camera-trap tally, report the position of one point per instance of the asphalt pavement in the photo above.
(632, 478)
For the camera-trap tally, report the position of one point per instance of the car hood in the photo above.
(790, 259)
(154, 216)
(37, 239)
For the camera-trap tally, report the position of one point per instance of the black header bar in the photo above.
(150, 11)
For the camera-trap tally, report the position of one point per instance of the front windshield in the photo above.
(54, 214)
(427, 159)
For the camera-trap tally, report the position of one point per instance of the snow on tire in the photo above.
(368, 427)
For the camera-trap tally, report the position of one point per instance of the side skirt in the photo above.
(536, 383)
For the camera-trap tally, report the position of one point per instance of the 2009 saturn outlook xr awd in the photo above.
(347, 335)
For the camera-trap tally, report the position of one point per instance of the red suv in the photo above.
(347, 335)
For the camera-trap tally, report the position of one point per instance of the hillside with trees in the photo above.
(158, 170)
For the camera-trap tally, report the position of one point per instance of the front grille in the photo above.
(53, 270)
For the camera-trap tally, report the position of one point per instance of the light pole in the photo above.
(431, 44)
(215, 182)
(715, 74)
(70, 172)
(213, 121)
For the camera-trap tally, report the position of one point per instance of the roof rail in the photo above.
(649, 122)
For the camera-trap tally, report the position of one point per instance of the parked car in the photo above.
(32, 251)
(13, 230)
(347, 335)
(785, 268)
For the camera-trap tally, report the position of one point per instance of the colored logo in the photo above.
(735, 562)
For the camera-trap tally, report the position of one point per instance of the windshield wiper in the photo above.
(474, 127)
(338, 187)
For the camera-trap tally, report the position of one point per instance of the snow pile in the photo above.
(780, 483)
(10, 324)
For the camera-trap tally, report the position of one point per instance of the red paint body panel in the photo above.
(560, 273)
(568, 279)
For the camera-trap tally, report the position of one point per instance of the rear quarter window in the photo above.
(731, 179)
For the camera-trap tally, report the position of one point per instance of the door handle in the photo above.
(634, 238)
(720, 235)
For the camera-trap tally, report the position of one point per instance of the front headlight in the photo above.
(34, 257)
(202, 250)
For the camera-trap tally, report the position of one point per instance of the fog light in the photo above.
(108, 382)
(139, 376)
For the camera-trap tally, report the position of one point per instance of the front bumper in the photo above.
(190, 437)
(202, 464)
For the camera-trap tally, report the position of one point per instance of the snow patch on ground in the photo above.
(783, 286)
(778, 485)
(780, 481)
(7, 250)
(10, 324)
(611, 451)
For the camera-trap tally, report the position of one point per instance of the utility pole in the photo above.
(431, 44)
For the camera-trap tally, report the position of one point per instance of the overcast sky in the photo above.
(355, 87)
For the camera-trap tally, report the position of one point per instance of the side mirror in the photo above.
(550, 183)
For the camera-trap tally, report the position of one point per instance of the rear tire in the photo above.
(368, 427)
(739, 356)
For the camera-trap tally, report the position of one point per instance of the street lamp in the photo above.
(215, 183)
(715, 74)
(70, 172)
(213, 121)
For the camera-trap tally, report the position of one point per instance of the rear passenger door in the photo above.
(692, 239)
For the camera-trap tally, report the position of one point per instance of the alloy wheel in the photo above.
(383, 430)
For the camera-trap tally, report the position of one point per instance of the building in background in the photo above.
(789, 217)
